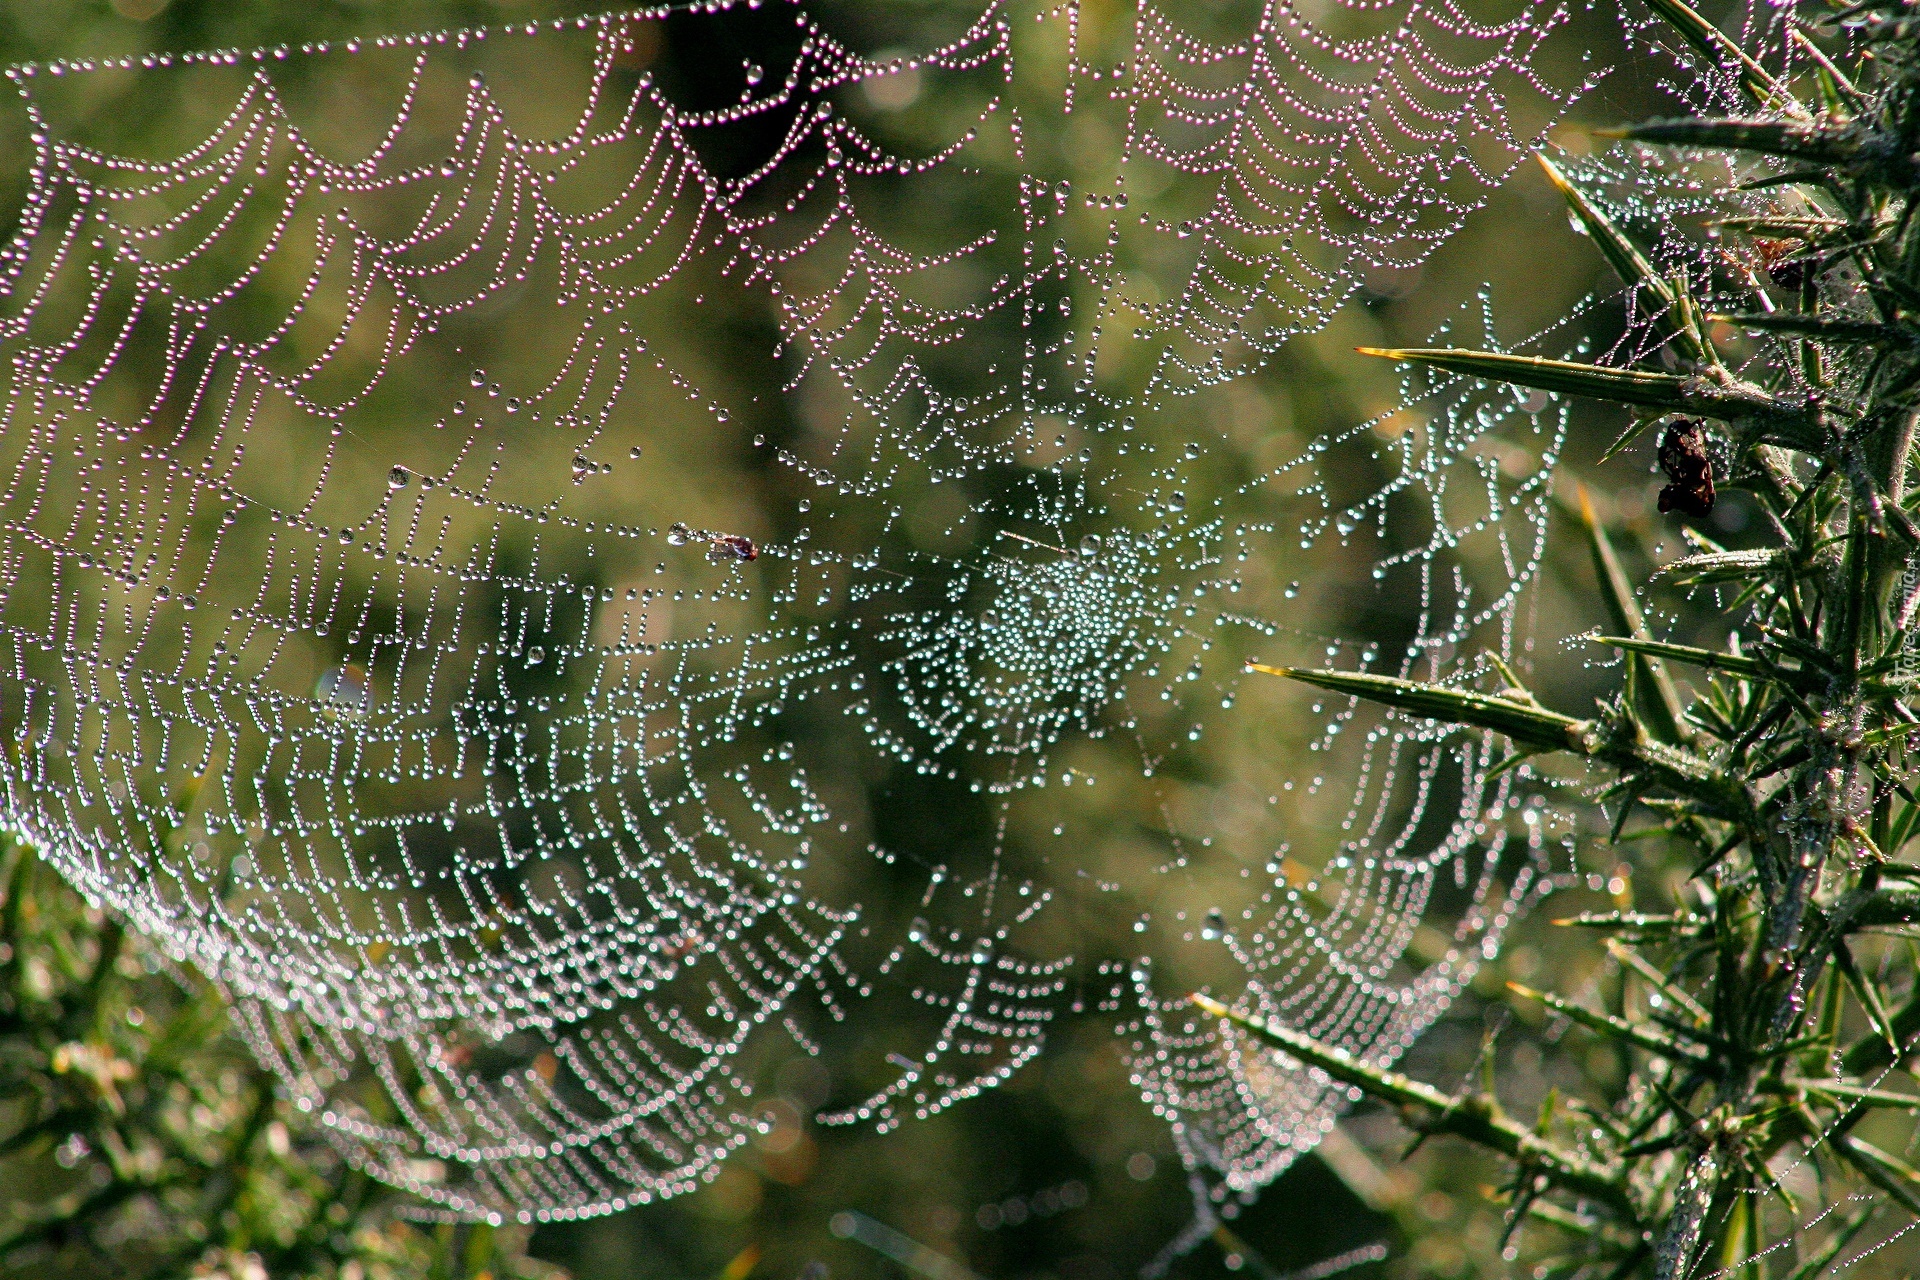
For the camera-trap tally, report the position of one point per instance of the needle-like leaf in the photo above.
(1623, 255)
(1650, 689)
(1476, 1117)
(1713, 660)
(1663, 391)
(1710, 40)
(1827, 330)
(1616, 1028)
(1795, 140)
(1524, 722)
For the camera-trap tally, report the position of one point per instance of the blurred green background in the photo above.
(1062, 1172)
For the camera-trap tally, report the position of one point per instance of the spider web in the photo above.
(506, 766)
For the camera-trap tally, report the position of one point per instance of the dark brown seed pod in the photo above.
(1683, 456)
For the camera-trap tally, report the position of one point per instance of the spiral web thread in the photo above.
(499, 783)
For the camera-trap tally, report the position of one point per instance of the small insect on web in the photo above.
(722, 548)
(430, 617)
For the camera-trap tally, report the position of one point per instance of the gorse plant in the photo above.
(1776, 1005)
(138, 1138)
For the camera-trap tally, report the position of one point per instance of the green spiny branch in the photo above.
(1785, 767)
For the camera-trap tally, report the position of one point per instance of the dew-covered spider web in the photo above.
(842, 408)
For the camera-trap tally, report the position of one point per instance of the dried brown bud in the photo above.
(1788, 275)
(1683, 456)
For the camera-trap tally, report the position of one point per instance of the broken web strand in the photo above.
(279, 811)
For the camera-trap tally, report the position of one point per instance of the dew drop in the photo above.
(343, 691)
(1215, 926)
(397, 478)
